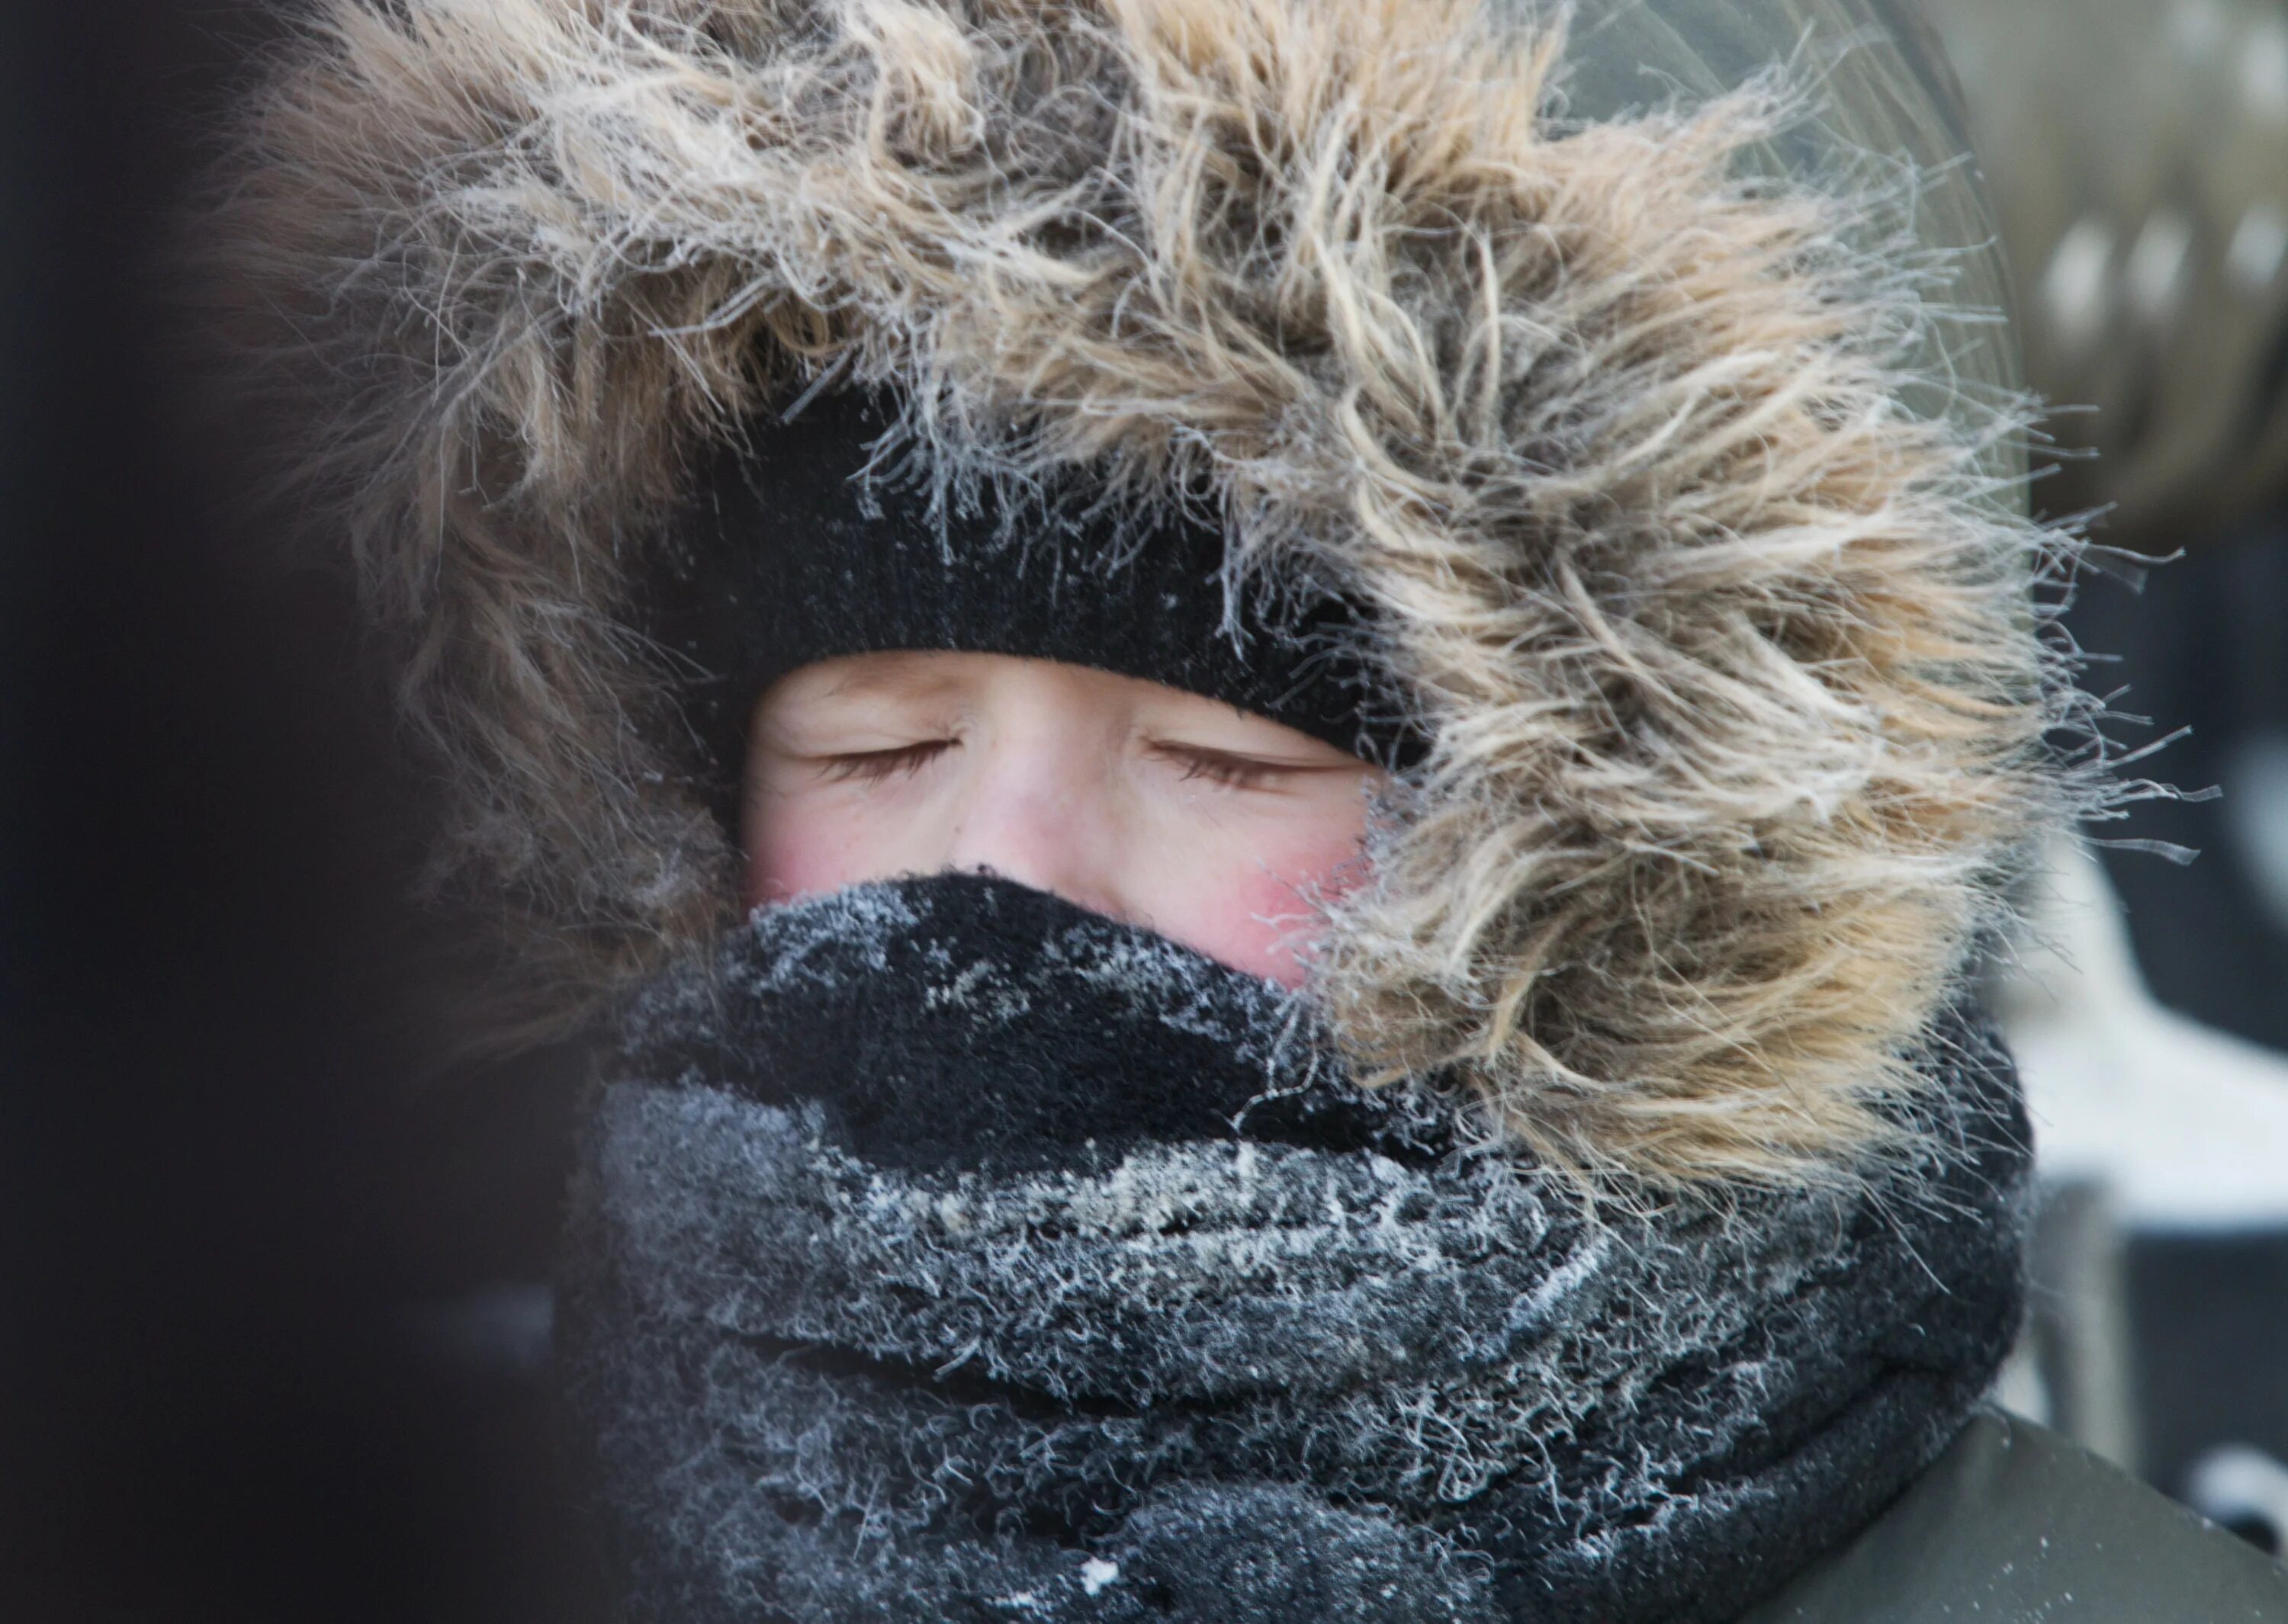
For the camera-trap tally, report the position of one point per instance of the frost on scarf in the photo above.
(944, 1252)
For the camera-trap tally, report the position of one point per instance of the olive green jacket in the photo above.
(2013, 1525)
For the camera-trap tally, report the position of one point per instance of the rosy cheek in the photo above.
(1258, 912)
(794, 852)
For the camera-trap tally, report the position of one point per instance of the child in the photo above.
(1141, 802)
(1373, 697)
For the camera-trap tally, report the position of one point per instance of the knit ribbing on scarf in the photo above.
(942, 1252)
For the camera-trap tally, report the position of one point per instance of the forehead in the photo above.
(900, 674)
(894, 673)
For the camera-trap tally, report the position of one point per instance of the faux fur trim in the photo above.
(1735, 691)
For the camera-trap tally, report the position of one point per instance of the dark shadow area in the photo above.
(217, 1181)
(2212, 1346)
(2200, 646)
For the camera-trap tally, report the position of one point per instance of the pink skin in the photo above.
(1203, 822)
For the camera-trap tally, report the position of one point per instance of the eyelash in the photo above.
(880, 767)
(1225, 772)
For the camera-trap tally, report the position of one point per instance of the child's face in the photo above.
(1203, 822)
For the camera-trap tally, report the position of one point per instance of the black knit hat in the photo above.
(798, 546)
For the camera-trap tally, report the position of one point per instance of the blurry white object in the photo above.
(2078, 1333)
(2186, 1127)
(2246, 1490)
(2256, 811)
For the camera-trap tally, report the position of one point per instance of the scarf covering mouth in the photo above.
(943, 1252)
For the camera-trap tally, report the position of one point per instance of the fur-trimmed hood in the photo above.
(1732, 687)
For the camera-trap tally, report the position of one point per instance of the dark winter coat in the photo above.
(2012, 1524)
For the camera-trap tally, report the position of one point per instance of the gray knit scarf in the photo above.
(946, 1253)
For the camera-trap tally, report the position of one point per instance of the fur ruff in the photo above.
(1734, 694)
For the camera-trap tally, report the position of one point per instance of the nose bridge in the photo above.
(1038, 811)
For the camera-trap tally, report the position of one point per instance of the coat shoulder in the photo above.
(2012, 1525)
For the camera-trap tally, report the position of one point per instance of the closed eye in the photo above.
(1224, 769)
(880, 767)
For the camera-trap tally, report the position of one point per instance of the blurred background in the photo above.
(2137, 153)
(270, 1298)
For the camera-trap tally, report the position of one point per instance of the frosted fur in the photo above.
(1412, 1379)
(1733, 696)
